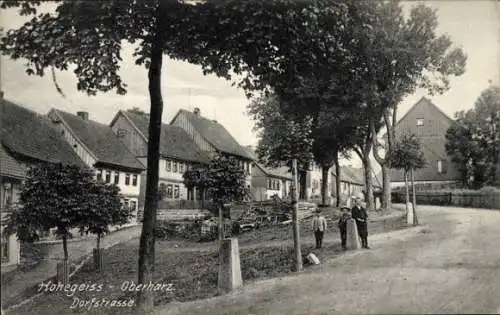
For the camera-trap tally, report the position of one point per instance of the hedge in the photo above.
(488, 198)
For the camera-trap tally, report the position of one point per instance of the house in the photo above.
(211, 137)
(352, 182)
(429, 124)
(178, 153)
(26, 139)
(101, 150)
(314, 180)
(268, 182)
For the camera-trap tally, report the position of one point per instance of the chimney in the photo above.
(196, 111)
(83, 115)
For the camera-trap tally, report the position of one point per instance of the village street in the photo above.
(450, 264)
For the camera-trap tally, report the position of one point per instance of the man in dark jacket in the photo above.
(359, 214)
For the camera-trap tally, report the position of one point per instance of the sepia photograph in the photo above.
(247, 157)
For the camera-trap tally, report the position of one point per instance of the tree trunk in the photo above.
(337, 180)
(98, 245)
(415, 219)
(221, 225)
(367, 166)
(145, 299)
(220, 229)
(407, 195)
(296, 231)
(386, 188)
(65, 245)
(302, 184)
(324, 184)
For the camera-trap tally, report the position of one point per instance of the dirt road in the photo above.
(451, 264)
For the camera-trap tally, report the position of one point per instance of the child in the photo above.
(319, 228)
(344, 217)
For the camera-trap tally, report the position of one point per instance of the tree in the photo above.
(398, 56)
(473, 140)
(332, 137)
(53, 196)
(89, 35)
(106, 210)
(408, 156)
(281, 140)
(226, 180)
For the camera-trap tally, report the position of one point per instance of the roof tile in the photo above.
(101, 140)
(216, 135)
(30, 135)
(174, 142)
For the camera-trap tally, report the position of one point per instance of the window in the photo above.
(127, 179)
(5, 250)
(269, 184)
(169, 191)
(99, 175)
(117, 178)
(162, 193)
(176, 191)
(169, 166)
(125, 203)
(420, 121)
(441, 166)
(175, 168)
(181, 168)
(277, 185)
(134, 180)
(108, 176)
(8, 195)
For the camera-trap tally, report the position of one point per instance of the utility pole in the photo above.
(295, 220)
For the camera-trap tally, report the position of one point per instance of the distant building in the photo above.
(429, 124)
(268, 182)
(178, 153)
(27, 139)
(101, 150)
(314, 180)
(211, 137)
(352, 182)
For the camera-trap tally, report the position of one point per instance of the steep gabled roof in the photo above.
(175, 142)
(28, 135)
(100, 140)
(422, 101)
(282, 172)
(215, 134)
(355, 176)
(9, 166)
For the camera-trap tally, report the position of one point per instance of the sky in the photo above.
(474, 25)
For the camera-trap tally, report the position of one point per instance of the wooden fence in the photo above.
(462, 198)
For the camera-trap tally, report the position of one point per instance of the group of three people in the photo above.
(358, 213)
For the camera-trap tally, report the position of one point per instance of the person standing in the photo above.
(344, 217)
(359, 214)
(319, 228)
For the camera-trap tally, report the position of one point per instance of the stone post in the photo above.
(229, 268)
(352, 239)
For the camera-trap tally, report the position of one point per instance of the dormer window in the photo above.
(420, 121)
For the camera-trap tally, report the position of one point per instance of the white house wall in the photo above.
(170, 177)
